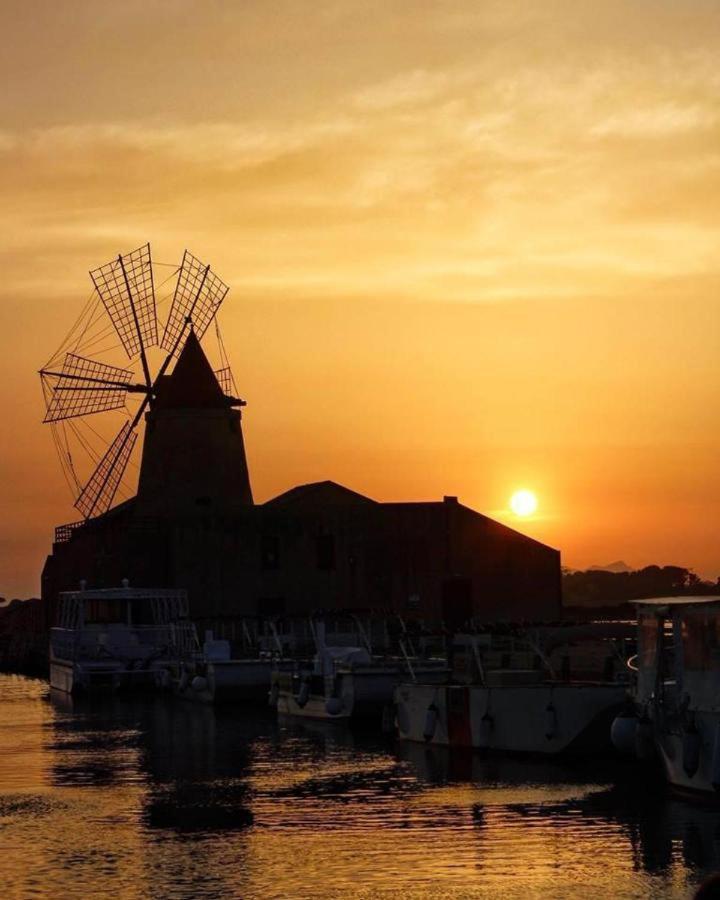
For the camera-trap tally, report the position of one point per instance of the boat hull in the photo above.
(363, 692)
(540, 718)
(73, 678)
(698, 777)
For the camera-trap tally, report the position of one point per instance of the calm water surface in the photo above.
(165, 799)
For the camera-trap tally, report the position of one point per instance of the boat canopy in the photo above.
(659, 604)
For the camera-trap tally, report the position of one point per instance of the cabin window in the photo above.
(648, 631)
(141, 612)
(105, 612)
(270, 552)
(701, 644)
(325, 548)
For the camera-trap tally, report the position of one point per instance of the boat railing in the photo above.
(175, 640)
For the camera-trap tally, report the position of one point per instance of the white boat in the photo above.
(507, 701)
(676, 698)
(119, 638)
(345, 682)
(213, 675)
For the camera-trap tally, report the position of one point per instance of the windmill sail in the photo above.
(198, 295)
(226, 381)
(97, 495)
(126, 288)
(84, 386)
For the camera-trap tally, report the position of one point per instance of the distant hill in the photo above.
(618, 566)
(616, 584)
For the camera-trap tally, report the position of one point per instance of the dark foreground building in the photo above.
(193, 524)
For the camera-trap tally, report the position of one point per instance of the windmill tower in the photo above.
(193, 457)
(193, 453)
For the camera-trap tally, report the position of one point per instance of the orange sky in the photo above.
(471, 246)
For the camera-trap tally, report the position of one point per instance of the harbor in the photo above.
(132, 796)
(359, 381)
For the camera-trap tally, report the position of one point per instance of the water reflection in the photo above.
(138, 798)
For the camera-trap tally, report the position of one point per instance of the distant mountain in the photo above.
(616, 567)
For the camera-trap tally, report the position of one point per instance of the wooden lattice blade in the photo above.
(98, 494)
(83, 387)
(197, 298)
(127, 290)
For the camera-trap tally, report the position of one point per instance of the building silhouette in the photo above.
(193, 524)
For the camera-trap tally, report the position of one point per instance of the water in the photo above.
(163, 799)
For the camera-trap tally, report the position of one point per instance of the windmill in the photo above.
(79, 382)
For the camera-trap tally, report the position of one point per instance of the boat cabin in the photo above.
(678, 660)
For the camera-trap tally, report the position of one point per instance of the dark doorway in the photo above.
(457, 606)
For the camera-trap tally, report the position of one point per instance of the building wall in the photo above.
(431, 561)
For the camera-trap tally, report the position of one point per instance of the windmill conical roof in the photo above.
(192, 384)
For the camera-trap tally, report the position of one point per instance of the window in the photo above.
(270, 552)
(648, 634)
(325, 547)
(701, 649)
(105, 612)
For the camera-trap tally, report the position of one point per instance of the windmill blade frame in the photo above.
(198, 296)
(127, 290)
(98, 494)
(79, 386)
(84, 386)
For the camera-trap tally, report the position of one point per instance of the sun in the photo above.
(523, 503)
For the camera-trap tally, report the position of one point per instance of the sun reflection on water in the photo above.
(136, 799)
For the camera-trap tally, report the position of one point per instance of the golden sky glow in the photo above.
(470, 245)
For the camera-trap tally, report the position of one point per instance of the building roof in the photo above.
(319, 493)
(192, 384)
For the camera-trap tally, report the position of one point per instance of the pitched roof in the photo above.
(192, 384)
(323, 492)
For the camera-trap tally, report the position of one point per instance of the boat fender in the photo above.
(183, 683)
(551, 722)
(431, 719)
(644, 738)
(487, 723)
(199, 683)
(691, 746)
(623, 731)
(164, 679)
(333, 706)
(274, 694)
(715, 766)
(402, 720)
(303, 694)
(388, 718)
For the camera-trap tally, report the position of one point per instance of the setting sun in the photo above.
(523, 503)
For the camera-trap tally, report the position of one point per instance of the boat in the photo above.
(214, 675)
(119, 638)
(504, 694)
(674, 709)
(341, 683)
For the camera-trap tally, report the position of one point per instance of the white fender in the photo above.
(303, 694)
(487, 723)
(623, 731)
(274, 694)
(551, 722)
(199, 683)
(333, 706)
(431, 720)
